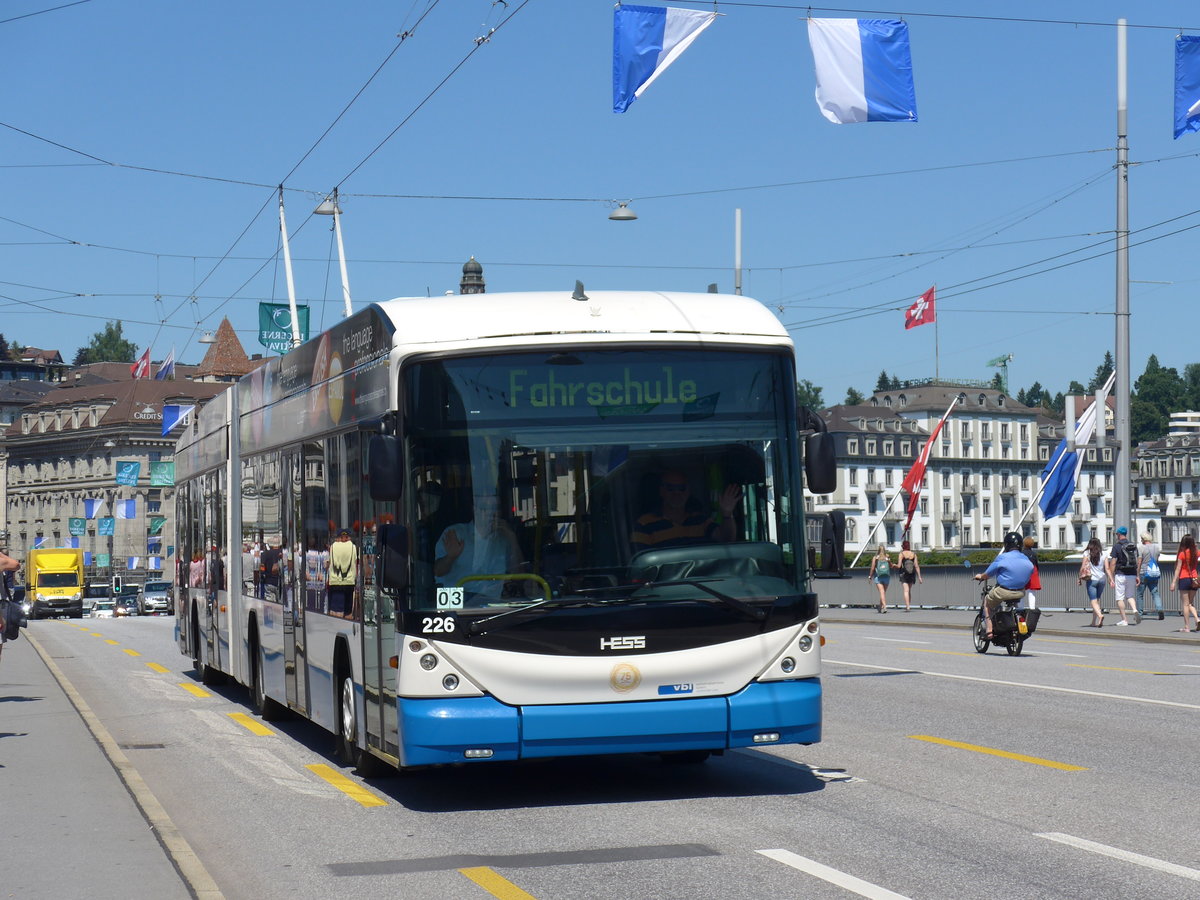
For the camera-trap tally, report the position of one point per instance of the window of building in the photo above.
(987, 533)
(987, 506)
(1004, 431)
(945, 478)
(966, 534)
(985, 431)
(871, 447)
(1062, 536)
(986, 477)
(887, 477)
(945, 506)
(889, 448)
(924, 535)
(852, 446)
(1091, 454)
(1046, 536)
(906, 448)
(1024, 433)
(1108, 454)
(1044, 452)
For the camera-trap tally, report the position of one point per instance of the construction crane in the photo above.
(1001, 362)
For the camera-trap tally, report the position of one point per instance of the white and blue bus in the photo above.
(507, 526)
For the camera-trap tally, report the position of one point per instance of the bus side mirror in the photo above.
(820, 463)
(385, 474)
(391, 568)
(833, 542)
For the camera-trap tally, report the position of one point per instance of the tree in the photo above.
(1075, 389)
(4, 350)
(997, 382)
(108, 345)
(808, 394)
(1191, 386)
(853, 397)
(1102, 372)
(1157, 393)
(883, 382)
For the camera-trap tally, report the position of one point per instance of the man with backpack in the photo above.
(1121, 565)
(1149, 574)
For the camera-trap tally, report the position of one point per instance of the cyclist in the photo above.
(1012, 569)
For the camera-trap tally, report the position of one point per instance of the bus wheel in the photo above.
(346, 745)
(267, 709)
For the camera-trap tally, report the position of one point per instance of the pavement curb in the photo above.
(185, 860)
(1124, 634)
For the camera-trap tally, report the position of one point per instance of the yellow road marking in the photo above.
(157, 668)
(111, 641)
(131, 652)
(990, 751)
(946, 652)
(96, 634)
(354, 791)
(1115, 669)
(494, 884)
(251, 725)
(192, 689)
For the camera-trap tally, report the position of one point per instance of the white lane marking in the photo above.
(1189, 666)
(1137, 859)
(833, 876)
(1048, 653)
(898, 641)
(1020, 684)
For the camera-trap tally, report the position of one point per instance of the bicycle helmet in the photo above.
(1013, 540)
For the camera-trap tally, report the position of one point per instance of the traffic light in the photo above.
(116, 585)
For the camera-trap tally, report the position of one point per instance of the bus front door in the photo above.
(295, 664)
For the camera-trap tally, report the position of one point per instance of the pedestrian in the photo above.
(881, 574)
(910, 571)
(1092, 577)
(1149, 573)
(10, 614)
(1121, 567)
(1035, 580)
(1185, 580)
(343, 574)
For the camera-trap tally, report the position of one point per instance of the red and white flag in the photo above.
(912, 481)
(141, 368)
(922, 312)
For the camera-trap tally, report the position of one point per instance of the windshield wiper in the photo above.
(487, 624)
(755, 613)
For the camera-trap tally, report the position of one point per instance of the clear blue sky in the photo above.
(836, 220)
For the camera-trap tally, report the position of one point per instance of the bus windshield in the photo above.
(607, 475)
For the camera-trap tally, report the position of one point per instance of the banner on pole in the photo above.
(275, 325)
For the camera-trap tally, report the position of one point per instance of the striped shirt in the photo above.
(653, 530)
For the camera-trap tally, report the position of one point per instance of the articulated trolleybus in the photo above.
(508, 526)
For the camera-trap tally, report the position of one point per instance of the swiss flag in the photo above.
(921, 312)
(141, 368)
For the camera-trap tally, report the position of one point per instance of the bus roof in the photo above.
(463, 317)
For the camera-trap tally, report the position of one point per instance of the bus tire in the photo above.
(268, 710)
(346, 744)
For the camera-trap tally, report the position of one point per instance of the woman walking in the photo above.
(1185, 580)
(1149, 573)
(1093, 578)
(881, 574)
(910, 572)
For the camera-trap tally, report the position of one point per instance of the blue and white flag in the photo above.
(167, 369)
(864, 70)
(39, 541)
(1062, 471)
(92, 507)
(154, 562)
(1187, 84)
(647, 39)
(126, 509)
(173, 415)
(133, 562)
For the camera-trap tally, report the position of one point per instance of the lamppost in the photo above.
(329, 207)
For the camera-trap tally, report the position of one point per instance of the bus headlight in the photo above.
(806, 643)
(787, 664)
(450, 682)
(429, 662)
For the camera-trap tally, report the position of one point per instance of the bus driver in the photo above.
(674, 523)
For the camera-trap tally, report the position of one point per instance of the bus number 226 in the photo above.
(437, 624)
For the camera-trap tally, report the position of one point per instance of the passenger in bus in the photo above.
(485, 546)
(343, 574)
(270, 564)
(678, 521)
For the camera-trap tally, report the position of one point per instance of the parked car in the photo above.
(105, 608)
(155, 598)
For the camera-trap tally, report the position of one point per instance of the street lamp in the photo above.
(622, 213)
(329, 207)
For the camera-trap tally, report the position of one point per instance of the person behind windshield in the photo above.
(485, 546)
(1012, 569)
(677, 523)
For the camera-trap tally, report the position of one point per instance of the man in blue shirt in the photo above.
(1013, 570)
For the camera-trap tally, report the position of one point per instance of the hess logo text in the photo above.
(623, 643)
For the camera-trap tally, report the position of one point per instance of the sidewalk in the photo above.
(1057, 622)
(73, 829)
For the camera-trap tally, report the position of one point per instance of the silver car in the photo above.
(155, 599)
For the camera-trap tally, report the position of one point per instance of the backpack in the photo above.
(882, 567)
(1152, 569)
(908, 565)
(1127, 562)
(14, 619)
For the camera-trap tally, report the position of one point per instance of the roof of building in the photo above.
(225, 357)
(22, 393)
(938, 397)
(110, 372)
(42, 357)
